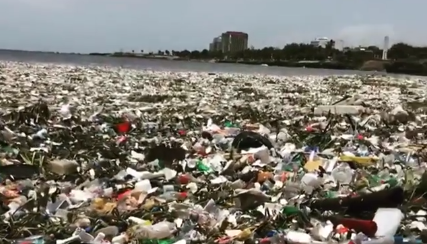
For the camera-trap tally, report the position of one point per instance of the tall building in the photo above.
(385, 48)
(216, 44)
(320, 42)
(234, 41)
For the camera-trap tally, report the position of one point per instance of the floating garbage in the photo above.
(109, 155)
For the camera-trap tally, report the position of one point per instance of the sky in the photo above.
(122, 25)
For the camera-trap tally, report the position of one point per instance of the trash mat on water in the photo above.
(106, 155)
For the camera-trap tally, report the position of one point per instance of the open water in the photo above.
(164, 65)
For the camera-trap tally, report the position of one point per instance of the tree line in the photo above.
(401, 57)
(302, 51)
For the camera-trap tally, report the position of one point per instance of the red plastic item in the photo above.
(123, 194)
(223, 240)
(183, 195)
(342, 230)
(360, 137)
(182, 132)
(264, 240)
(124, 127)
(367, 227)
(25, 242)
(251, 159)
(283, 177)
(183, 179)
(121, 139)
(309, 128)
(202, 152)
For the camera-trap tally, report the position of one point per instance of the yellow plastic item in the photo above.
(98, 203)
(245, 234)
(149, 204)
(311, 166)
(146, 223)
(363, 161)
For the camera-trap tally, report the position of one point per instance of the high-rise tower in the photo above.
(234, 41)
(385, 48)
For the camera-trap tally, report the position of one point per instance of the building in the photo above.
(234, 41)
(216, 44)
(320, 42)
(385, 48)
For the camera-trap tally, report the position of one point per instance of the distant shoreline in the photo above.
(291, 64)
(408, 67)
(392, 67)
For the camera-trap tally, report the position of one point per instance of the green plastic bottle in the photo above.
(161, 164)
(374, 180)
(290, 210)
(392, 182)
(154, 241)
(288, 168)
(331, 194)
(166, 241)
(202, 167)
(228, 124)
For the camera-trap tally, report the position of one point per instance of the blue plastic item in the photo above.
(402, 240)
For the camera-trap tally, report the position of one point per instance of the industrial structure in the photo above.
(230, 42)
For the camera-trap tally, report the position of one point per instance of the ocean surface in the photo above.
(163, 65)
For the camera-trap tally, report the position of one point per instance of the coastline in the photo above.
(405, 67)
(369, 65)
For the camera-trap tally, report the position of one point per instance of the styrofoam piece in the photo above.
(388, 221)
(340, 109)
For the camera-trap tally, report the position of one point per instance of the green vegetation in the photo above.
(403, 58)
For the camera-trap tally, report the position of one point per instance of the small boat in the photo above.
(264, 65)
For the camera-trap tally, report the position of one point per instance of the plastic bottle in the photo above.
(283, 167)
(331, 194)
(173, 195)
(39, 240)
(402, 240)
(276, 239)
(392, 182)
(161, 230)
(165, 241)
(202, 167)
(381, 240)
(290, 210)
(379, 188)
(309, 182)
(298, 237)
(143, 185)
(343, 173)
(120, 239)
(228, 124)
(374, 180)
(363, 151)
(292, 189)
(154, 241)
(231, 131)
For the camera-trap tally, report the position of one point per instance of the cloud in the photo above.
(366, 34)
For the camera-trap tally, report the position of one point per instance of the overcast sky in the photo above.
(112, 25)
